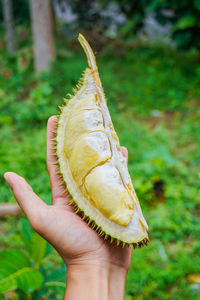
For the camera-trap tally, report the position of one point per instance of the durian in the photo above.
(92, 165)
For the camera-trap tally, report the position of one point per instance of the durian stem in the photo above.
(90, 58)
(88, 51)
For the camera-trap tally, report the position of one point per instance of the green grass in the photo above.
(154, 100)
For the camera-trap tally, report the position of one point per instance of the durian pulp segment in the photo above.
(92, 163)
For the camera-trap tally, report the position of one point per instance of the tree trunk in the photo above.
(9, 209)
(43, 37)
(9, 26)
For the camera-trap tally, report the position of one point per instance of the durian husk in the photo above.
(136, 232)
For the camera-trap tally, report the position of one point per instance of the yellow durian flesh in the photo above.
(88, 102)
(88, 151)
(105, 188)
(82, 121)
(92, 164)
(86, 147)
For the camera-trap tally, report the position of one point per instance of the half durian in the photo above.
(92, 165)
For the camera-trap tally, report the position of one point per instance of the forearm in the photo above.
(95, 282)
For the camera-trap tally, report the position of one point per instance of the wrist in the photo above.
(95, 281)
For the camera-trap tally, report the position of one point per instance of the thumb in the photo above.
(30, 203)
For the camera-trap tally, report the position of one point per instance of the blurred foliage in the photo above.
(89, 13)
(184, 17)
(135, 12)
(28, 272)
(21, 11)
(154, 99)
(99, 16)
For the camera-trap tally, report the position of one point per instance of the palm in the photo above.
(70, 234)
(65, 230)
(73, 238)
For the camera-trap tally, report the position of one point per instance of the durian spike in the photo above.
(91, 59)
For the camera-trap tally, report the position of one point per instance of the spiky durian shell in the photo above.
(91, 215)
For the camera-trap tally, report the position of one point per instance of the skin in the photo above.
(96, 269)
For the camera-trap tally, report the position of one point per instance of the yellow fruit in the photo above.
(92, 165)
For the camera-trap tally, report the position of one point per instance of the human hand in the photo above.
(83, 251)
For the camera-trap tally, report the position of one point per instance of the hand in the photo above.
(80, 247)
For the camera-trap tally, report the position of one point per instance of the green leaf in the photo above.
(26, 233)
(30, 280)
(15, 272)
(58, 274)
(11, 261)
(25, 279)
(38, 248)
(55, 284)
(56, 280)
(186, 22)
(197, 4)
